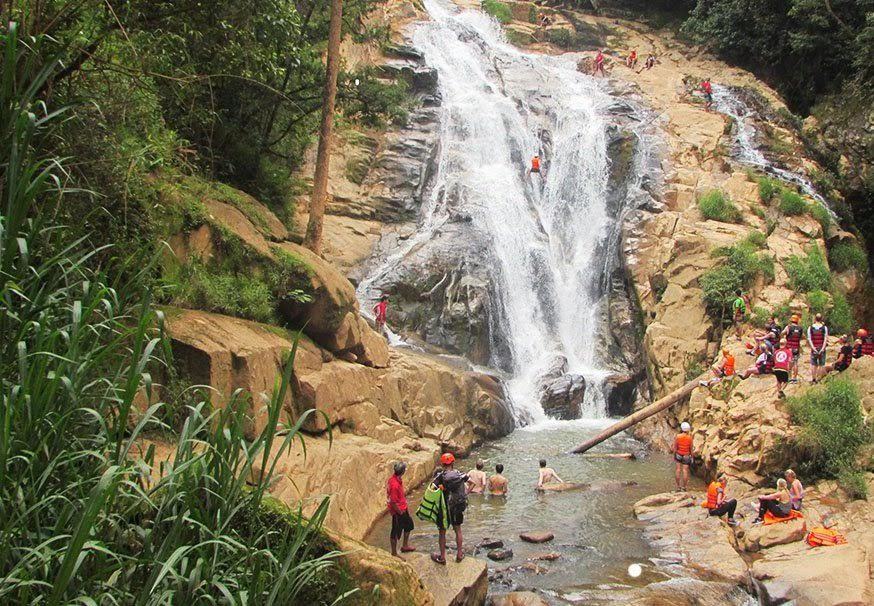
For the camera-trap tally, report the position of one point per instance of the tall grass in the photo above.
(82, 520)
(716, 205)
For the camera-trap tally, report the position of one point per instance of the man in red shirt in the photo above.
(782, 365)
(401, 522)
(707, 88)
(599, 64)
(380, 310)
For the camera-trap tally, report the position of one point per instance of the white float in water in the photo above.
(635, 570)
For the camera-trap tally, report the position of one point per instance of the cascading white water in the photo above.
(745, 148)
(499, 108)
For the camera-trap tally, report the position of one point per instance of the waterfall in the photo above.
(548, 235)
(745, 148)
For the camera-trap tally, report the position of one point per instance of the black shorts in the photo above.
(782, 375)
(401, 523)
(456, 514)
(841, 367)
(535, 170)
(684, 459)
(709, 97)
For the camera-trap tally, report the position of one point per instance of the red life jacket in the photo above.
(793, 336)
(783, 358)
(535, 163)
(817, 335)
(868, 346)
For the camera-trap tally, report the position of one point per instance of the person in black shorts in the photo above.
(845, 357)
(453, 484)
(396, 500)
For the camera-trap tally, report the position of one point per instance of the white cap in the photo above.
(685, 426)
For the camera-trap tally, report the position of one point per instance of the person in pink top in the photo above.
(396, 500)
(599, 64)
(380, 310)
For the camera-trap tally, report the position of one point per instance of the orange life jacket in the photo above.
(728, 368)
(535, 163)
(713, 495)
(817, 537)
(683, 444)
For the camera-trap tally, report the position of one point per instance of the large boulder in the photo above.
(763, 536)
(455, 584)
(815, 577)
(518, 598)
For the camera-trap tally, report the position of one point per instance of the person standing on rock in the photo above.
(796, 490)
(817, 338)
(717, 504)
(401, 522)
(793, 334)
(380, 312)
(599, 63)
(782, 365)
(452, 483)
(777, 503)
(682, 456)
(707, 89)
(739, 311)
(476, 483)
(498, 484)
(547, 475)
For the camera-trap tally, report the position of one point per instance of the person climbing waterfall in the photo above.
(793, 334)
(535, 166)
(396, 500)
(817, 338)
(476, 483)
(707, 89)
(782, 365)
(716, 504)
(739, 311)
(452, 483)
(724, 370)
(776, 503)
(498, 484)
(547, 475)
(380, 312)
(682, 456)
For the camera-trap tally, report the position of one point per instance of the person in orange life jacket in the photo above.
(723, 370)
(453, 484)
(793, 334)
(782, 365)
(401, 522)
(535, 165)
(867, 340)
(845, 357)
(380, 311)
(796, 490)
(717, 504)
(682, 456)
(778, 503)
(817, 338)
(707, 89)
(631, 61)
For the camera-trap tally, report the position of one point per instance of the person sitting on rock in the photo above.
(396, 500)
(682, 456)
(476, 482)
(498, 484)
(867, 342)
(761, 367)
(631, 61)
(723, 370)
(452, 483)
(380, 312)
(845, 356)
(547, 475)
(858, 349)
(717, 504)
(796, 490)
(777, 503)
(650, 61)
(782, 366)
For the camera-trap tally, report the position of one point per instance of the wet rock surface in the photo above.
(537, 537)
(500, 555)
(561, 394)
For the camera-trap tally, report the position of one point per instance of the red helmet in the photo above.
(861, 333)
(447, 458)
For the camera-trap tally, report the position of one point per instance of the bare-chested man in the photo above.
(547, 475)
(476, 479)
(498, 484)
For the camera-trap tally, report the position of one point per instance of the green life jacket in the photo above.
(433, 507)
(739, 305)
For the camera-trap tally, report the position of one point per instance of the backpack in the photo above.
(820, 537)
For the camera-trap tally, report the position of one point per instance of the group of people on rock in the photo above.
(777, 349)
(788, 497)
(631, 61)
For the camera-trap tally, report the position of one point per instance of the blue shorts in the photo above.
(817, 359)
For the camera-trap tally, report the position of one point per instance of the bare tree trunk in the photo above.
(313, 239)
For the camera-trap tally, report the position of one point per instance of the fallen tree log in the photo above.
(636, 417)
(630, 456)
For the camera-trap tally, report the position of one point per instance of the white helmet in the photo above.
(685, 426)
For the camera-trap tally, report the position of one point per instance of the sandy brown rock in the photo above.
(537, 537)
(517, 598)
(761, 537)
(454, 584)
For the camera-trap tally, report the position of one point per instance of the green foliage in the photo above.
(818, 301)
(854, 482)
(831, 432)
(498, 10)
(760, 317)
(240, 295)
(821, 214)
(848, 255)
(768, 187)
(756, 238)
(91, 513)
(791, 203)
(840, 318)
(694, 367)
(717, 206)
(737, 267)
(810, 272)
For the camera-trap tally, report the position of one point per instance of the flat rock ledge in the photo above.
(464, 583)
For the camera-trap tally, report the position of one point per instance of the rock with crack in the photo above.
(462, 583)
